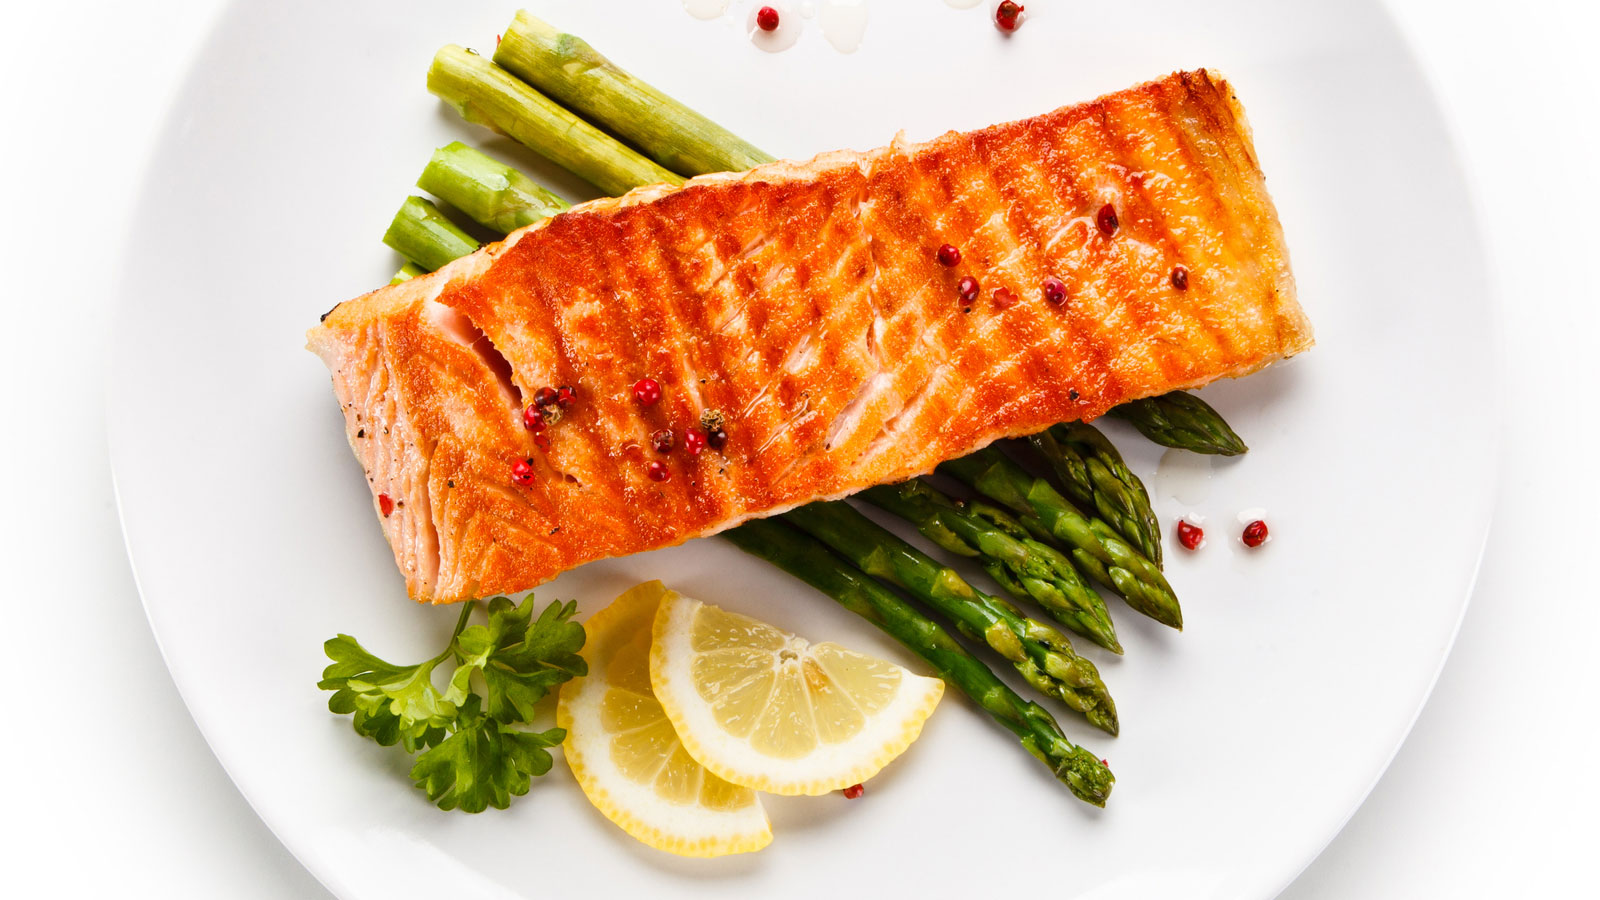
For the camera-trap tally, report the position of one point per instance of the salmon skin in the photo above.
(806, 304)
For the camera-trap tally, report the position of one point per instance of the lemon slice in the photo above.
(626, 756)
(763, 708)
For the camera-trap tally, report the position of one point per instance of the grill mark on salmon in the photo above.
(897, 216)
(1144, 279)
(1225, 169)
(1086, 308)
(1017, 181)
(1212, 190)
(1181, 364)
(1215, 219)
(694, 308)
(804, 301)
(1020, 343)
(580, 449)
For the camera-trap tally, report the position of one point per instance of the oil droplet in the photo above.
(780, 38)
(705, 9)
(1184, 476)
(843, 23)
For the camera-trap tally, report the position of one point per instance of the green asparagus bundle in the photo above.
(803, 557)
(568, 70)
(1042, 655)
(1091, 543)
(1183, 421)
(1026, 568)
(486, 94)
(1091, 472)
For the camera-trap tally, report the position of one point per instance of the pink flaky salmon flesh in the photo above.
(1121, 248)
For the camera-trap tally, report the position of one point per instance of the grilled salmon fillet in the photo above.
(807, 305)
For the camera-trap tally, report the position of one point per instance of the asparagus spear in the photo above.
(1042, 655)
(1091, 472)
(1094, 545)
(806, 559)
(574, 74)
(490, 192)
(1184, 421)
(1026, 568)
(422, 234)
(407, 272)
(486, 94)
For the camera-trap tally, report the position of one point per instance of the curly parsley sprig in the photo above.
(473, 755)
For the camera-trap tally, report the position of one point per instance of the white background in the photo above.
(109, 789)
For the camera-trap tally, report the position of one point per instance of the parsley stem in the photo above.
(461, 623)
(450, 649)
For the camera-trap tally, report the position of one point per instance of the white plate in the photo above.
(1247, 740)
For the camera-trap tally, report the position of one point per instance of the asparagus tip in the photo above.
(1105, 719)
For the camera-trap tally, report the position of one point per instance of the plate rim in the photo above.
(1494, 448)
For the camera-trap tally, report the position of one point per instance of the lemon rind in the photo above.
(722, 832)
